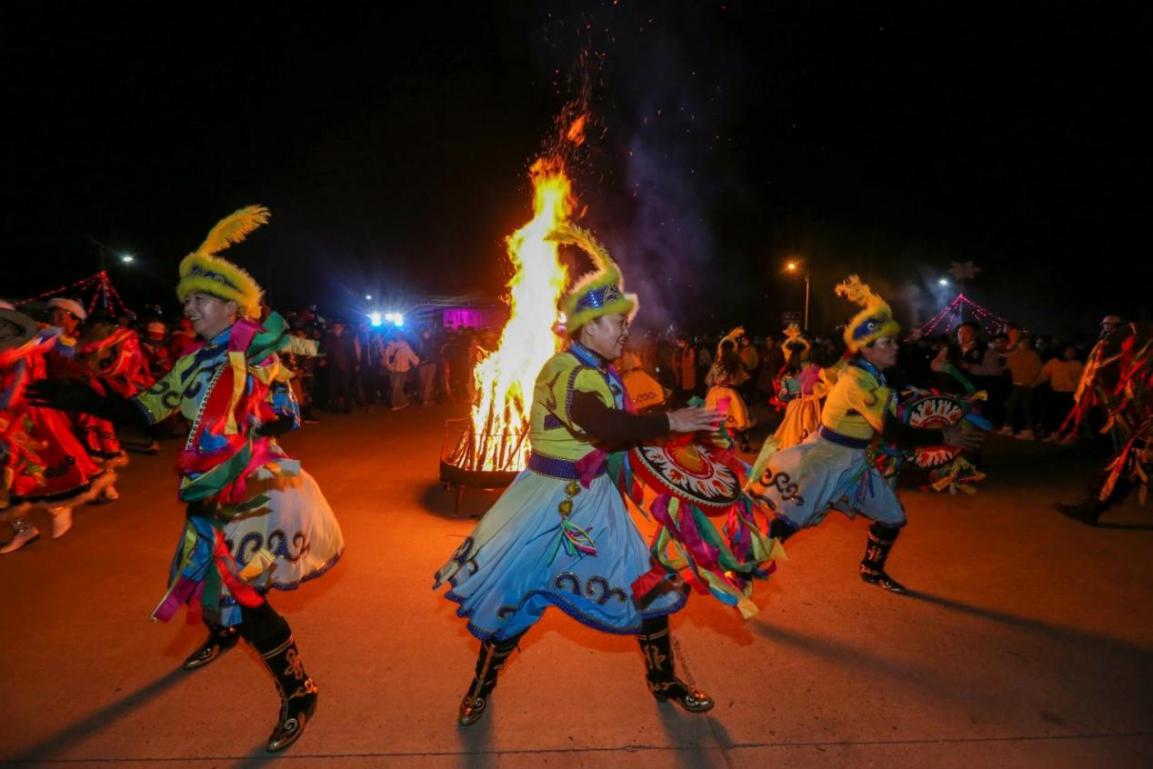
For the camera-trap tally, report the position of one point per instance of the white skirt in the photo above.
(296, 538)
(802, 483)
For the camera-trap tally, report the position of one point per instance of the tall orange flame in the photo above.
(505, 378)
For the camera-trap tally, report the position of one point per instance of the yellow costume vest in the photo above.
(552, 431)
(857, 404)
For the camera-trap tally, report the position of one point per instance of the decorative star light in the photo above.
(964, 270)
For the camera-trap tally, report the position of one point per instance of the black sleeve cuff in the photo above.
(279, 426)
(614, 426)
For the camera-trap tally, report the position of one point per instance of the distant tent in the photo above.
(958, 311)
(474, 317)
(95, 291)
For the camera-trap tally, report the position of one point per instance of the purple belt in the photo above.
(558, 468)
(832, 436)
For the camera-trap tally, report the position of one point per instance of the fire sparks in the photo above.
(505, 378)
(576, 131)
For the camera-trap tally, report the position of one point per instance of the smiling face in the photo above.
(882, 353)
(209, 314)
(606, 336)
(65, 320)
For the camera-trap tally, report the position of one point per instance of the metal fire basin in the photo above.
(451, 475)
(455, 478)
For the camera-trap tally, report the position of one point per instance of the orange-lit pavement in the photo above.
(1029, 643)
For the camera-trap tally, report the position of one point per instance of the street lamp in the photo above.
(794, 267)
(942, 281)
(127, 258)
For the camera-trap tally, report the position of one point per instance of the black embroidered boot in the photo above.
(780, 529)
(492, 658)
(656, 646)
(881, 539)
(220, 639)
(298, 694)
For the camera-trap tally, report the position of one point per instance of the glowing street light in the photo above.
(794, 266)
(942, 281)
(127, 258)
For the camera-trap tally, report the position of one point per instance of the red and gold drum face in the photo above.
(933, 412)
(693, 472)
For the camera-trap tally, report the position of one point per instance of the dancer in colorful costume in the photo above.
(69, 359)
(795, 343)
(42, 464)
(724, 379)
(154, 345)
(801, 386)
(836, 467)
(560, 535)
(1117, 381)
(255, 520)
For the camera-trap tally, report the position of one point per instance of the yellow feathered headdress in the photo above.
(732, 336)
(203, 270)
(596, 293)
(874, 321)
(795, 339)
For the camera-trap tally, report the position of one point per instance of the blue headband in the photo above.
(598, 298)
(868, 326)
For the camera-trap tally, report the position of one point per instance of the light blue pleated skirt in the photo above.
(515, 565)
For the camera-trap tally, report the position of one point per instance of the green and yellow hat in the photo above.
(874, 321)
(597, 293)
(204, 271)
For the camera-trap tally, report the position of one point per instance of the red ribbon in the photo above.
(225, 565)
(589, 466)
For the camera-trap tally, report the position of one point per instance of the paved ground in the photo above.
(1028, 644)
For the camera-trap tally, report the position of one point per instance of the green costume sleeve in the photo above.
(163, 398)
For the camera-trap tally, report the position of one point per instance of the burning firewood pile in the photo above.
(487, 450)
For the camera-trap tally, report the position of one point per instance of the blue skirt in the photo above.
(515, 564)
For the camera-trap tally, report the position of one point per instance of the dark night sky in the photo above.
(889, 138)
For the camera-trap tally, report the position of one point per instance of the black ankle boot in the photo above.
(220, 639)
(298, 694)
(780, 529)
(491, 660)
(881, 539)
(656, 646)
(1090, 509)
